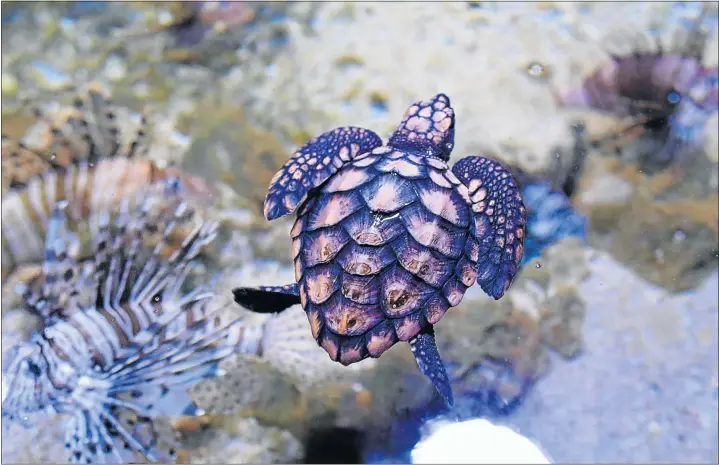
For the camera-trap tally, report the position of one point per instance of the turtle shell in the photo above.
(382, 250)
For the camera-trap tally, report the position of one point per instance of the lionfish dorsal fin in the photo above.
(60, 266)
(92, 129)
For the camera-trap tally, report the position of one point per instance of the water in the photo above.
(604, 349)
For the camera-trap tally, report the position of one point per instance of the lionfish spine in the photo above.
(87, 188)
(138, 335)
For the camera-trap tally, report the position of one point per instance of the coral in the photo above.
(243, 440)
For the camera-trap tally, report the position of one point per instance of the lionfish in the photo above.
(121, 330)
(86, 155)
(669, 95)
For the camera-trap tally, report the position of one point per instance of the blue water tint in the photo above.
(11, 16)
(405, 433)
(279, 40)
(67, 22)
(471, 401)
(77, 9)
(378, 107)
(50, 73)
(553, 14)
(277, 17)
(550, 218)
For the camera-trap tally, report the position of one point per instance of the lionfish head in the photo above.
(26, 389)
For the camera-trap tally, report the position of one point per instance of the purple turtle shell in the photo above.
(381, 251)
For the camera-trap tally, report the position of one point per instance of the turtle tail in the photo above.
(430, 363)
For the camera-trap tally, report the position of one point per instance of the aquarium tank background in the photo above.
(494, 232)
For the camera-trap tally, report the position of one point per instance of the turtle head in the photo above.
(427, 129)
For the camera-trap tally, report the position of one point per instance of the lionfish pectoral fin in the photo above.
(424, 349)
(499, 222)
(267, 299)
(313, 164)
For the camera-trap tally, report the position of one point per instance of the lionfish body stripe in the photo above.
(85, 155)
(121, 331)
(25, 212)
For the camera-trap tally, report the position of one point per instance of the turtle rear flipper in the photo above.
(267, 299)
(313, 164)
(424, 349)
(499, 221)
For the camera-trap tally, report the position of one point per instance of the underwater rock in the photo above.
(562, 319)
(345, 76)
(254, 388)
(664, 226)
(673, 244)
(206, 33)
(603, 194)
(17, 326)
(497, 350)
(228, 147)
(238, 440)
(645, 387)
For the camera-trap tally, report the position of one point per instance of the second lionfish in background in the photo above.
(92, 154)
(667, 94)
(122, 333)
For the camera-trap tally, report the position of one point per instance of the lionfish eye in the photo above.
(674, 97)
(34, 369)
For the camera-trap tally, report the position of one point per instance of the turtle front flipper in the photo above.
(430, 363)
(267, 299)
(313, 164)
(499, 224)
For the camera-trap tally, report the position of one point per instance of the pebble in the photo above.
(115, 68)
(9, 85)
(654, 428)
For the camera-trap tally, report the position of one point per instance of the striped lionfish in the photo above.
(669, 94)
(122, 333)
(86, 155)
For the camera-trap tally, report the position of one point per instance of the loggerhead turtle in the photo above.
(387, 238)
